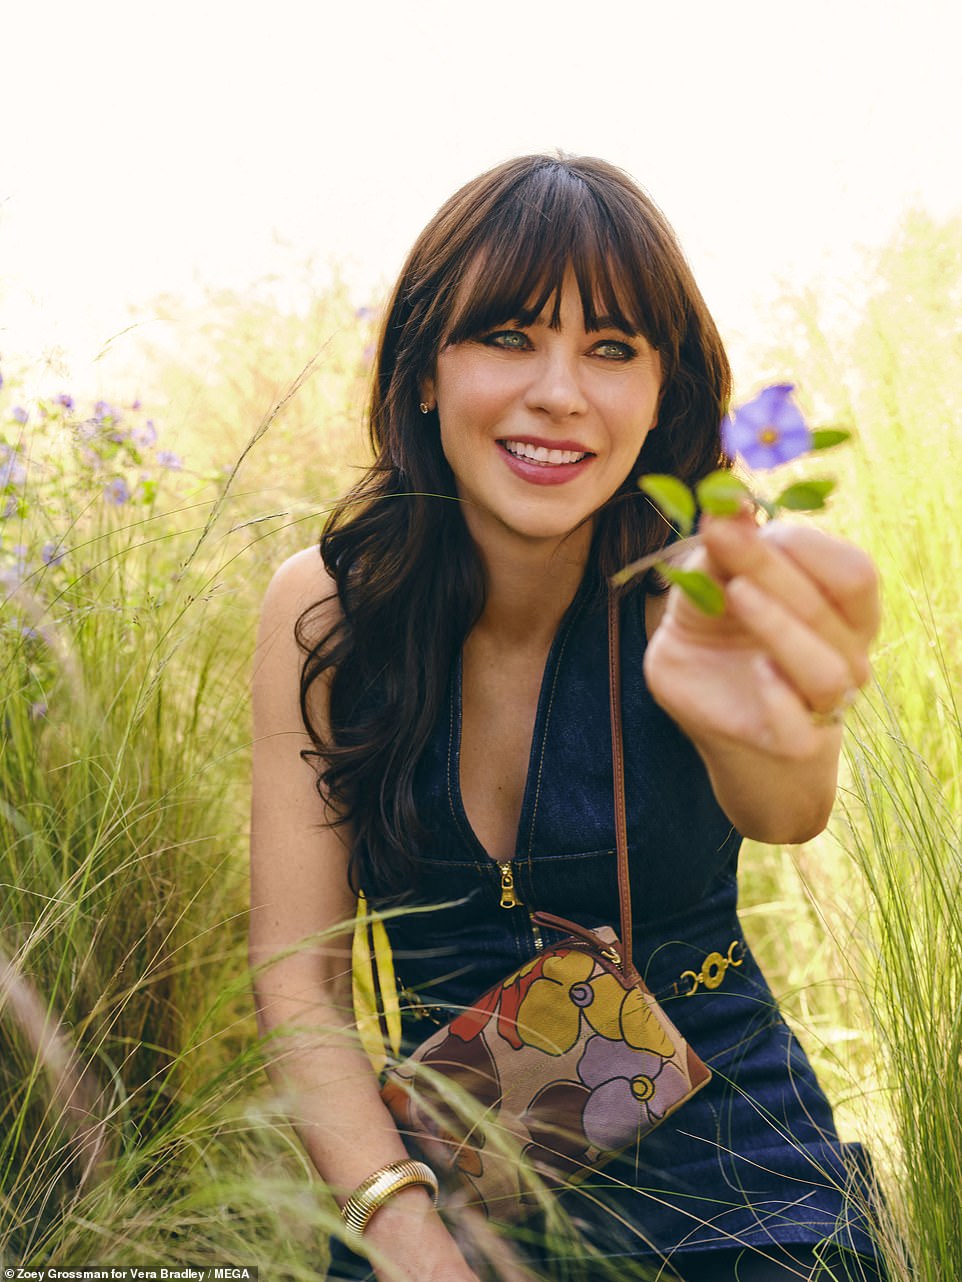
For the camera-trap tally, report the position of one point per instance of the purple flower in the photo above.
(630, 1090)
(65, 400)
(19, 414)
(51, 553)
(12, 470)
(172, 461)
(768, 430)
(38, 710)
(12, 574)
(145, 435)
(116, 491)
(103, 410)
(135, 404)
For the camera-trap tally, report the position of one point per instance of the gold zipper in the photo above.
(509, 899)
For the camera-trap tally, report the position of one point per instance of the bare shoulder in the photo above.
(299, 583)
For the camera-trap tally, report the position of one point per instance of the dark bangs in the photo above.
(554, 220)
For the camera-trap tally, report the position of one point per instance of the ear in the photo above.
(427, 393)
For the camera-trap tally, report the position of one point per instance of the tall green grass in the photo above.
(874, 974)
(123, 788)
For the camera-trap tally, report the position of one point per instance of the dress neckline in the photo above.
(524, 838)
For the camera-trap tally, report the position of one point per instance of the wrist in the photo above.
(406, 1208)
(382, 1187)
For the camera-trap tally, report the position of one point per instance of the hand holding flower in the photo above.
(801, 609)
(753, 688)
(754, 679)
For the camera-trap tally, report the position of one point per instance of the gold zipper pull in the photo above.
(508, 898)
(537, 937)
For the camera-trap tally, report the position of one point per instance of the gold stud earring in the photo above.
(424, 407)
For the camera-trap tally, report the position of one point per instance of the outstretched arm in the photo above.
(753, 688)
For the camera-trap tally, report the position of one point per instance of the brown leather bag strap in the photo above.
(618, 768)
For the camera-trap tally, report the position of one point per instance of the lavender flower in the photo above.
(65, 400)
(171, 461)
(145, 435)
(12, 470)
(103, 411)
(13, 573)
(19, 414)
(768, 430)
(116, 491)
(51, 553)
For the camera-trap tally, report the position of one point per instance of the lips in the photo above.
(544, 462)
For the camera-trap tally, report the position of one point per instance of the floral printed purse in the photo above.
(567, 1062)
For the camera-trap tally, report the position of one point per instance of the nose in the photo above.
(555, 388)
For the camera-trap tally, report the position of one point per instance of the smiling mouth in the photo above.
(541, 453)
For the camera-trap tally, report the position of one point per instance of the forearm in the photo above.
(329, 1092)
(771, 798)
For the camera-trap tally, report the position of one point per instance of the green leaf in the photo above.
(698, 587)
(826, 437)
(722, 494)
(806, 496)
(672, 497)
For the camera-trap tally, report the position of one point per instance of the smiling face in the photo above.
(541, 422)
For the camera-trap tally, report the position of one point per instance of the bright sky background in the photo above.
(148, 147)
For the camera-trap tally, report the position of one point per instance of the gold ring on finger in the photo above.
(835, 716)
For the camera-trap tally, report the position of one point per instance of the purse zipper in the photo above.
(509, 899)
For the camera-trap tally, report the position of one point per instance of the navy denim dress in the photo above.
(754, 1158)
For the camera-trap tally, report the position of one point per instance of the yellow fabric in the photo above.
(553, 1026)
(372, 973)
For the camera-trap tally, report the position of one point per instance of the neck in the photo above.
(528, 589)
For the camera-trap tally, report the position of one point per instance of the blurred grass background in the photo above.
(135, 1120)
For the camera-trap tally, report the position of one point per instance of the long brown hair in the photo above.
(408, 577)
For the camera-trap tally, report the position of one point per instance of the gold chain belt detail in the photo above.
(713, 969)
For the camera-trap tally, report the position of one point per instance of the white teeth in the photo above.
(541, 454)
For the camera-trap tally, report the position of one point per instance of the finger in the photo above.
(843, 572)
(819, 672)
(739, 549)
(787, 728)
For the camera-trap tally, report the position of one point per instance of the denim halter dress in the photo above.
(754, 1158)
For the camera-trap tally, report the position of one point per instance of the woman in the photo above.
(446, 692)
